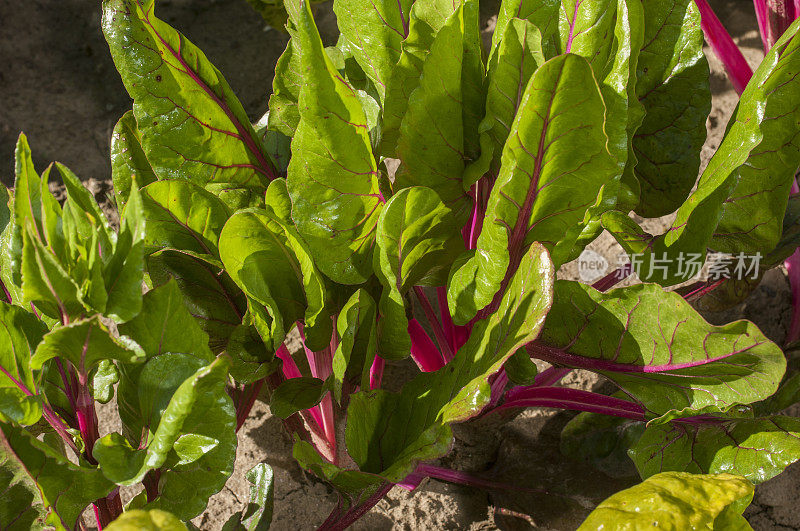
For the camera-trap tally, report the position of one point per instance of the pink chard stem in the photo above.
(724, 48)
(423, 349)
(445, 347)
(774, 18)
(376, 372)
(321, 365)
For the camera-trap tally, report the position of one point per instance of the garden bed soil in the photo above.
(58, 84)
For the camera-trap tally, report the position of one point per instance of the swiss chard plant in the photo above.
(411, 193)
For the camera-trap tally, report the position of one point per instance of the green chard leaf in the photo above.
(756, 448)
(190, 434)
(375, 32)
(676, 500)
(431, 142)
(184, 223)
(426, 18)
(356, 327)
(128, 160)
(333, 177)
(258, 514)
(659, 350)
(123, 274)
(673, 85)
(41, 488)
(85, 344)
(752, 215)
(286, 86)
(512, 64)
(165, 325)
(272, 265)
(388, 433)
(553, 167)
(183, 216)
(215, 301)
(734, 183)
(297, 394)
(152, 520)
(192, 126)
(418, 239)
(20, 333)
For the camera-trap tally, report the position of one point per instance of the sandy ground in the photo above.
(58, 84)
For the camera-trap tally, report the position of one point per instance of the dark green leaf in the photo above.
(673, 85)
(756, 448)
(296, 394)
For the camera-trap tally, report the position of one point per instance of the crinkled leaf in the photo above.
(178, 397)
(192, 126)
(20, 333)
(333, 176)
(756, 448)
(676, 500)
(553, 166)
(41, 488)
(673, 85)
(357, 332)
(152, 520)
(271, 264)
(753, 212)
(659, 350)
(128, 161)
(387, 433)
(418, 239)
